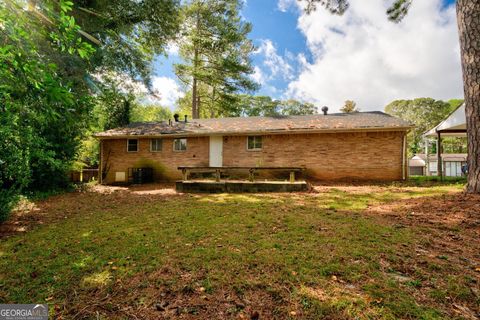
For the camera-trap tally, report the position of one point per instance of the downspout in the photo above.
(100, 173)
(404, 156)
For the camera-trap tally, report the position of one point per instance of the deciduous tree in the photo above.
(42, 116)
(424, 113)
(349, 107)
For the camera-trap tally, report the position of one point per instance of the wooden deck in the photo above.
(239, 186)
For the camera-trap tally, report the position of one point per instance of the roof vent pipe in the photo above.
(186, 118)
(176, 116)
(325, 110)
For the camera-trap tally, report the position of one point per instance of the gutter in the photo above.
(258, 132)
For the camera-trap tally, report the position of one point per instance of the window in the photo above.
(453, 168)
(156, 145)
(433, 167)
(254, 143)
(132, 145)
(180, 144)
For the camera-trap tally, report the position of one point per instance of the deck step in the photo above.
(193, 186)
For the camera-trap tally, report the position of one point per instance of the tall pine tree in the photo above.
(216, 55)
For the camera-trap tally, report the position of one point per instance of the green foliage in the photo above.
(453, 145)
(14, 165)
(251, 106)
(67, 36)
(128, 33)
(399, 10)
(266, 106)
(119, 112)
(42, 116)
(245, 105)
(149, 113)
(424, 113)
(349, 107)
(49, 49)
(216, 55)
(396, 12)
(455, 103)
(88, 153)
(296, 108)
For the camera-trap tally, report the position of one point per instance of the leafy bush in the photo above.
(42, 116)
(14, 169)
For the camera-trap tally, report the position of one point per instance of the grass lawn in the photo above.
(339, 252)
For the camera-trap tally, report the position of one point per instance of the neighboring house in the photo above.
(361, 145)
(451, 162)
(455, 125)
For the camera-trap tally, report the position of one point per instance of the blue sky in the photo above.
(304, 57)
(269, 23)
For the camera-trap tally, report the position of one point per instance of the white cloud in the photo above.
(172, 49)
(167, 91)
(363, 56)
(258, 76)
(284, 5)
(122, 81)
(164, 90)
(277, 65)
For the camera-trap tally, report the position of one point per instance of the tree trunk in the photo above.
(194, 99)
(212, 104)
(195, 106)
(195, 111)
(198, 106)
(468, 16)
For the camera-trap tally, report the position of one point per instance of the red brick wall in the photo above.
(327, 156)
(165, 162)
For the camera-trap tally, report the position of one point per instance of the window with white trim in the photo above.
(132, 145)
(156, 145)
(180, 144)
(254, 143)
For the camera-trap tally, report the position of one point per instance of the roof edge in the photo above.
(243, 133)
(434, 129)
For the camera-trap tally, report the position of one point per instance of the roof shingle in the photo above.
(249, 125)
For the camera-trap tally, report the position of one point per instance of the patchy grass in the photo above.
(337, 253)
(432, 180)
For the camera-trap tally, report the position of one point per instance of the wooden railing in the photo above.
(217, 171)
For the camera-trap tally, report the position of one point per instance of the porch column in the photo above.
(439, 155)
(427, 160)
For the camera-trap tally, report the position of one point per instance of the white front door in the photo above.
(216, 151)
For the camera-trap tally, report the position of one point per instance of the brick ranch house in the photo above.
(361, 145)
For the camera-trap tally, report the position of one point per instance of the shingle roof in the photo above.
(282, 124)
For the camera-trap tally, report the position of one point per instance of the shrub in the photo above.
(14, 164)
